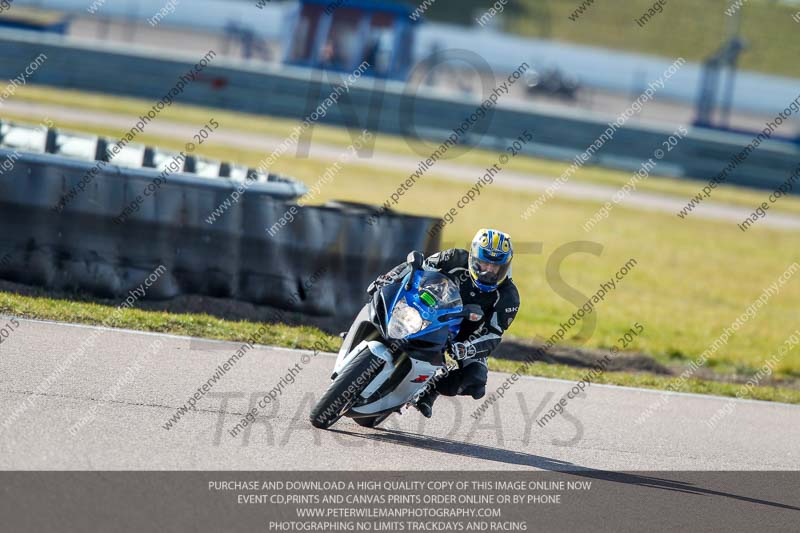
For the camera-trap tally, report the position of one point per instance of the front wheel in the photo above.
(345, 389)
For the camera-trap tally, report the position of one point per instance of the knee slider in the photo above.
(475, 376)
(478, 392)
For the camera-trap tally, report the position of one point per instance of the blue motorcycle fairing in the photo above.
(430, 313)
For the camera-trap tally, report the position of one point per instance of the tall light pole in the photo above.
(735, 47)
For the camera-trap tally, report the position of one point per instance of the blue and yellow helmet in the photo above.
(490, 257)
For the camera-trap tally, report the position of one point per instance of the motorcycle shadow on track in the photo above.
(510, 457)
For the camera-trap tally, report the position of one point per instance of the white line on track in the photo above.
(298, 350)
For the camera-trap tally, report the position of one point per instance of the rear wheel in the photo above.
(345, 389)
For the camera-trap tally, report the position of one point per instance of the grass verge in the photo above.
(280, 128)
(694, 277)
(686, 28)
(652, 381)
(304, 337)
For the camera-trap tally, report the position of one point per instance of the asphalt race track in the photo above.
(117, 389)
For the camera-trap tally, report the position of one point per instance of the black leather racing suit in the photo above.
(499, 309)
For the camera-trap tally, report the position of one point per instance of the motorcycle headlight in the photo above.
(405, 321)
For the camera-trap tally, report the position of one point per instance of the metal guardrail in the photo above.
(38, 139)
(292, 92)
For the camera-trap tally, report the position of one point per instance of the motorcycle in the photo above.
(394, 349)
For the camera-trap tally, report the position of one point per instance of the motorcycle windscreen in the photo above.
(416, 312)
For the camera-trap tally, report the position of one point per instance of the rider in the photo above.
(483, 275)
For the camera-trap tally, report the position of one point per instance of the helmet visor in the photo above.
(489, 273)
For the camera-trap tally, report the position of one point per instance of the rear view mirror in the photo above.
(415, 259)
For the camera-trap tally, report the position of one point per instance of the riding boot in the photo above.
(425, 403)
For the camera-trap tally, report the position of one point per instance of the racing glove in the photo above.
(461, 350)
(413, 262)
(382, 281)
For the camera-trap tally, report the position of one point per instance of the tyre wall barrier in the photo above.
(318, 264)
(390, 107)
